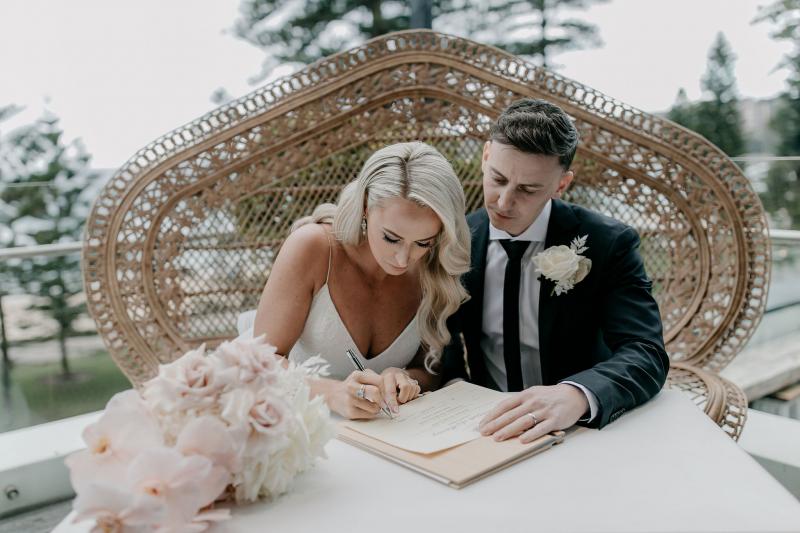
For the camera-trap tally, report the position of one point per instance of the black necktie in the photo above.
(514, 250)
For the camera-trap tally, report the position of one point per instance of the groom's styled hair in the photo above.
(537, 127)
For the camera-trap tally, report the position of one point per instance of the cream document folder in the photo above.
(436, 421)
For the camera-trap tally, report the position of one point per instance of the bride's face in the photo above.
(400, 232)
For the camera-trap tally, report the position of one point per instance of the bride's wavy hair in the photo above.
(418, 172)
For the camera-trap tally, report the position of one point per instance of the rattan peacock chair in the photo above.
(182, 238)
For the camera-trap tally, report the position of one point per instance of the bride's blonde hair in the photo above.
(418, 172)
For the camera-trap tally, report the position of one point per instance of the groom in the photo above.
(579, 340)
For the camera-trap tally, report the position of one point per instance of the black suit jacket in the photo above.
(604, 334)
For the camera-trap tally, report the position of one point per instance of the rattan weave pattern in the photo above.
(182, 237)
(722, 401)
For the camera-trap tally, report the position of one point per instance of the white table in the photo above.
(662, 467)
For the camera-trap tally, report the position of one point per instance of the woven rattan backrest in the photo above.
(182, 238)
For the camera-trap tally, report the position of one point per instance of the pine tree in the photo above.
(7, 212)
(533, 28)
(303, 31)
(782, 196)
(47, 204)
(717, 116)
(683, 112)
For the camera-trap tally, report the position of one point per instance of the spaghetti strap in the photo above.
(330, 255)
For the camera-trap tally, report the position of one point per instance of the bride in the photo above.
(377, 274)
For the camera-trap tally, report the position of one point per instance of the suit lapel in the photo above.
(560, 230)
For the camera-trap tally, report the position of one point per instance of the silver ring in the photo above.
(533, 417)
(414, 382)
(360, 392)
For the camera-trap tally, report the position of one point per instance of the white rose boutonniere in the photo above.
(563, 265)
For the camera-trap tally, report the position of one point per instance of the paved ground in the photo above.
(766, 368)
(41, 520)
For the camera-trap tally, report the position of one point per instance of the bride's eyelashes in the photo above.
(390, 240)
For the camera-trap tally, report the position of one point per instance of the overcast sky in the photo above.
(120, 73)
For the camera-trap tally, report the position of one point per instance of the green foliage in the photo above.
(785, 16)
(300, 28)
(44, 190)
(683, 111)
(96, 379)
(717, 116)
(782, 197)
(534, 28)
(303, 31)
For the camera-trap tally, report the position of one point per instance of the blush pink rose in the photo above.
(188, 382)
(251, 358)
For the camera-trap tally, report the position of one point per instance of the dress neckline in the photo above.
(350, 337)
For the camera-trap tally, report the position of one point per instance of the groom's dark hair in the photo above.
(537, 127)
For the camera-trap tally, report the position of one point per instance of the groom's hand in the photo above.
(535, 412)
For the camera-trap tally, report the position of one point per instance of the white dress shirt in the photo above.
(492, 334)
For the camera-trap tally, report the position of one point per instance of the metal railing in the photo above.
(782, 236)
(777, 236)
(42, 250)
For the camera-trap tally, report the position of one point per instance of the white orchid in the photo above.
(124, 430)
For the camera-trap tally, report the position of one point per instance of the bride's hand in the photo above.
(399, 387)
(348, 399)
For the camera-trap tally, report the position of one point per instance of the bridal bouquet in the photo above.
(235, 424)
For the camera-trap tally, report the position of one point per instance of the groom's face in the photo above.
(517, 185)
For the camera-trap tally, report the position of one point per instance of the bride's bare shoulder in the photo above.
(307, 248)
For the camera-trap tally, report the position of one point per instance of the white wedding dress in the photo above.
(325, 334)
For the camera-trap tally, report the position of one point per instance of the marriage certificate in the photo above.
(435, 421)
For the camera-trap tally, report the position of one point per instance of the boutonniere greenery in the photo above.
(564, 265)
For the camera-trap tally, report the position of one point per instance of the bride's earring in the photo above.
(364, 226)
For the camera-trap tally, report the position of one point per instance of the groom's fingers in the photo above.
(495, 419)
(511, 423)
(542, 428)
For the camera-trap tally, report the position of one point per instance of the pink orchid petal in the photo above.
(106, 501)
(185, 483)
(86, 467)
